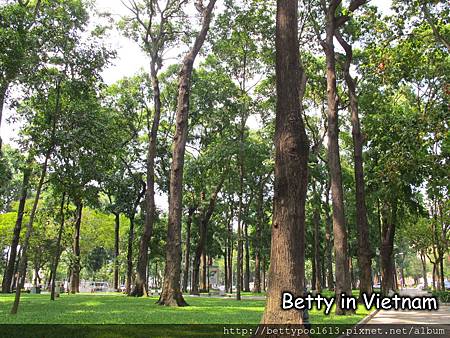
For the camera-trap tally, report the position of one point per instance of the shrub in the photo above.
(442, 296)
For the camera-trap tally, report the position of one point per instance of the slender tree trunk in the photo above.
(329, 240)
(9, 272)
(225, 261)
(75, 277)
(334, 163)
(258, 237)
(130, 256)
(141, 270)
(58, 248)
(387, 248)
(230, 250)
(247, 261)
(3, 90)
(171, 294)
(264, 273)
(287, 260)
(187, 259)
(116, 250)
(424, 269)
(364, 250)
(317, 254)
(24, 259)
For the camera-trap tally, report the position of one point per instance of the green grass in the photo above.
(119, 309)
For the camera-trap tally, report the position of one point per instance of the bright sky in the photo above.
(130, 59)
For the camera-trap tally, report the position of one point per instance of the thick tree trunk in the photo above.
(187, 259)
(116, 250)
(204, 274)
(75, 277)
(364, 250)
(287, 262)
(58, 248)
(334, 163)
(171, 294)
(9, 272)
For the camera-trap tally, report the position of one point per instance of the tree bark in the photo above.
(24, 259)
(171, 294)
(200, 250)
(364, 250)
(387, 248)
(141, 270)
(9, 272)
(116, 250)
(187, 259)
(58, 248)
(75, 277)
(316, 220)
(130, 256)
(247, 260)
(287, 263)
(3, 90)
(329, 240)
(424, 269)
(334, 163)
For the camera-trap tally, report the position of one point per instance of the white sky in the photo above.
(130, 59)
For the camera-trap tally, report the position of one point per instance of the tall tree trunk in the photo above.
(287, 262)
(387, 248)
(204, 274)
(187, 259)
(116, 250)
(9, 272)
(329, 240)
(334, 163)
(230, 249)
(258, 238)
(225, 268)
(264, 273)
(424, 269)
(317, 254)
(3, 90)
(364, 250)
(141, 270)
(171, 294)
(75, 277)
(247, 260)
(24, 259)
(130, 256)
(58, 248)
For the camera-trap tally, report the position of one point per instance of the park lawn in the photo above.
(120, 309)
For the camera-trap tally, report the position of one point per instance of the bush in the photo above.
(442, 296)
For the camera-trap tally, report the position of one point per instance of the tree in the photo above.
(171, 293)
(291, 158)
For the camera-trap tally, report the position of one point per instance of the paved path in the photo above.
(403, 323)
(442, 316)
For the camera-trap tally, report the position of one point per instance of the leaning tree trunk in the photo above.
(287, 261)
(58, 248)
(76, 267)
(364, 250)
(24, 259)
(334, 164)
(9, 272)
(141, 270)
(171, 294)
